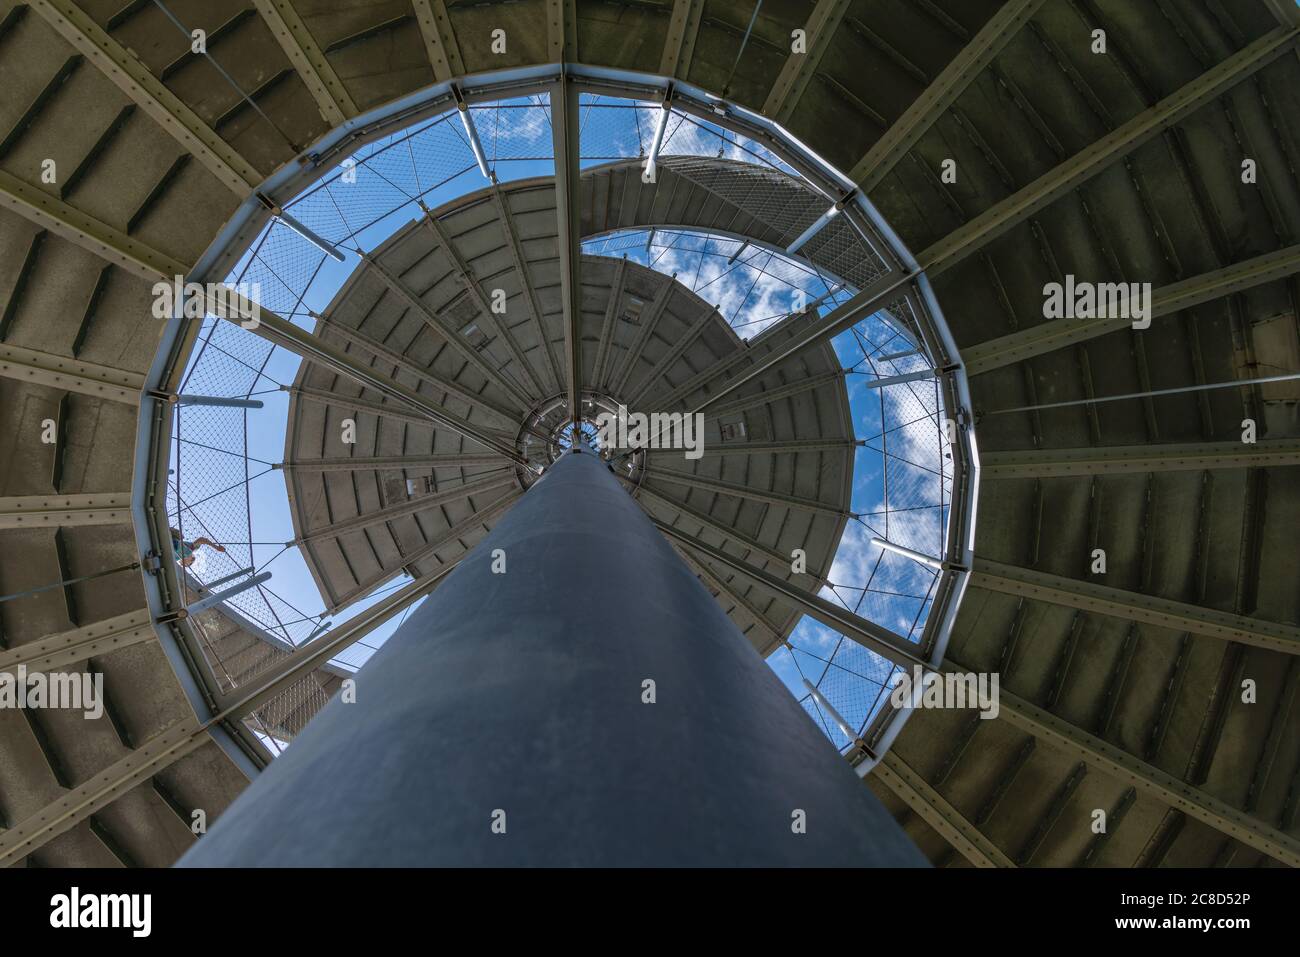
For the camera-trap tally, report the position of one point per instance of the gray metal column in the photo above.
(516, 699)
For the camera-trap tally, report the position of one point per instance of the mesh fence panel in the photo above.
(688, 135)
(770, 196)
(902, 495)
(615, 130)
(753, 287)
(513, 132)
(288, 712)
(839, 249)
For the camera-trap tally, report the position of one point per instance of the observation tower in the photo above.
(448, 623)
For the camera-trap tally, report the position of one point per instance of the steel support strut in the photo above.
(565, 130)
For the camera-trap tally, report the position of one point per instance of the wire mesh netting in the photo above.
(613, 128)
(752, 287)
(902, 495)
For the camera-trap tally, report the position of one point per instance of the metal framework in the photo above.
(364, 463)
(930, 806)
(870, 635)
(313, 358)
(575, 78)
(679, 46)
(800, 67)
(1122, 766)
(486, 315)
(72, 375)
(332, 98)
(81, 229)
(451, 538)
(525, 280)
(647, 490)
(438, 325)
(218, 158)
(565, 138)
(949, 590)
(806, 335)
(186, 736)
(70, 647)
(1059, 333)
(1133, 606)
(417, 504)
(743, 491)
(54, 511)
(715, 583)
(420, 373)
(1039, 463)
(903, 135)
(439, 39)
(150, 94)
(1180, 457)
(1028, 717)
(1085, 164)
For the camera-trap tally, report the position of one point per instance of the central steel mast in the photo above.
(570, 695)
